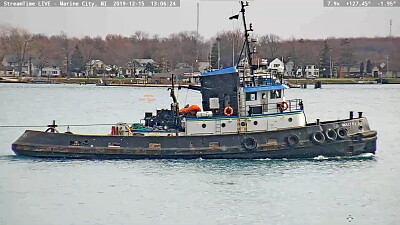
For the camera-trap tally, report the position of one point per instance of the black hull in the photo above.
(359, 139)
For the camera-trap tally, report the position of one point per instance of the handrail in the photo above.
(294, 105)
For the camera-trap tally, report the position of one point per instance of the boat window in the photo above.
(251, 96)
(264, 96)
(276, 94)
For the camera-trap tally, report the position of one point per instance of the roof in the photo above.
(221, 72)
(144, 61)
(266, 88)
(5, 67)
(178, 73)
(355, 69)
(12, 58)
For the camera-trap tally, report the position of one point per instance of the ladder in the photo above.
(218, 126)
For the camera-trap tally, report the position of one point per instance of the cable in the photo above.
(61, 125)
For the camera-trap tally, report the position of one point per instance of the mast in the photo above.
(246, 35)
(175, 106)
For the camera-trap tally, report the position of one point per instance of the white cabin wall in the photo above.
(263, 123)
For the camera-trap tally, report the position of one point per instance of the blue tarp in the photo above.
(266, 88)
(220, 72)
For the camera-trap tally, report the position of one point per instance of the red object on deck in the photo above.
(192, 110)
(113, 130)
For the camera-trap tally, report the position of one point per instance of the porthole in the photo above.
(360, 127)
(290, 119)
(255, 123)
(203, 125)
(243, 124)
(223, 125)
(85, 142)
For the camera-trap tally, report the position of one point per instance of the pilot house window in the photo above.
(276, 94)
(251, 96)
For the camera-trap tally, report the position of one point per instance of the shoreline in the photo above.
(142, 83)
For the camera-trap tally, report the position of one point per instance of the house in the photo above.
(311, 71)
(299, 73)
(13, 61)
(389, 71)
(183, 75)
(344, 71)
(49, 71)
(6, 70)
(204, 67)
(141, 66)
(95, 67)
(182, 65)
(275, 66)
(354, 71)
(375, 71)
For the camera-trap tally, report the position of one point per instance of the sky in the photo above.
(306, 19)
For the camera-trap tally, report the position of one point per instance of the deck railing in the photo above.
(292, 105)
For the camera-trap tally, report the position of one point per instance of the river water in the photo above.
(362, 190)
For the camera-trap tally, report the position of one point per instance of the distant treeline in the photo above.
(187, 47)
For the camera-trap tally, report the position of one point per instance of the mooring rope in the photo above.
(58, 125)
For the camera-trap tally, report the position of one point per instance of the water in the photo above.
(362, 190)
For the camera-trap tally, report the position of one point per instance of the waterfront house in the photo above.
(6, 70)
(344, 71)
(389, 71)
(275, 66)
(204, 67)
(95, 67)
(311, 71)
(299, 73)
(354, 71)
(13, 61)
(142, 66)
(48, 71)
(375, 71)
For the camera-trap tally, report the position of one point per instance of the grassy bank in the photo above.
(141, 81)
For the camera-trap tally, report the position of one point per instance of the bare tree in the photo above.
(18, 41)
(270, 44)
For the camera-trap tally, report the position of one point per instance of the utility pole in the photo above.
(198, 19)
(387, 64)
(219, 52)
(197, 32)
(330, 62)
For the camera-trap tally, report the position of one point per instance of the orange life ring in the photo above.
(284, 106)
(230, 109)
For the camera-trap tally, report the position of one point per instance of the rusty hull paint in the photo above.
(271, 144)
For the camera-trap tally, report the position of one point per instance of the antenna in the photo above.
(390, 31)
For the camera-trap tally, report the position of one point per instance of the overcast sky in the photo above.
(286, 18)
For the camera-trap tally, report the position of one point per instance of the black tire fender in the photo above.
(249, 143)
(318, 138)
(292, 140)
(331, 134)
(341, 133)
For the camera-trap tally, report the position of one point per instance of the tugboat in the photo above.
(243, 117)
